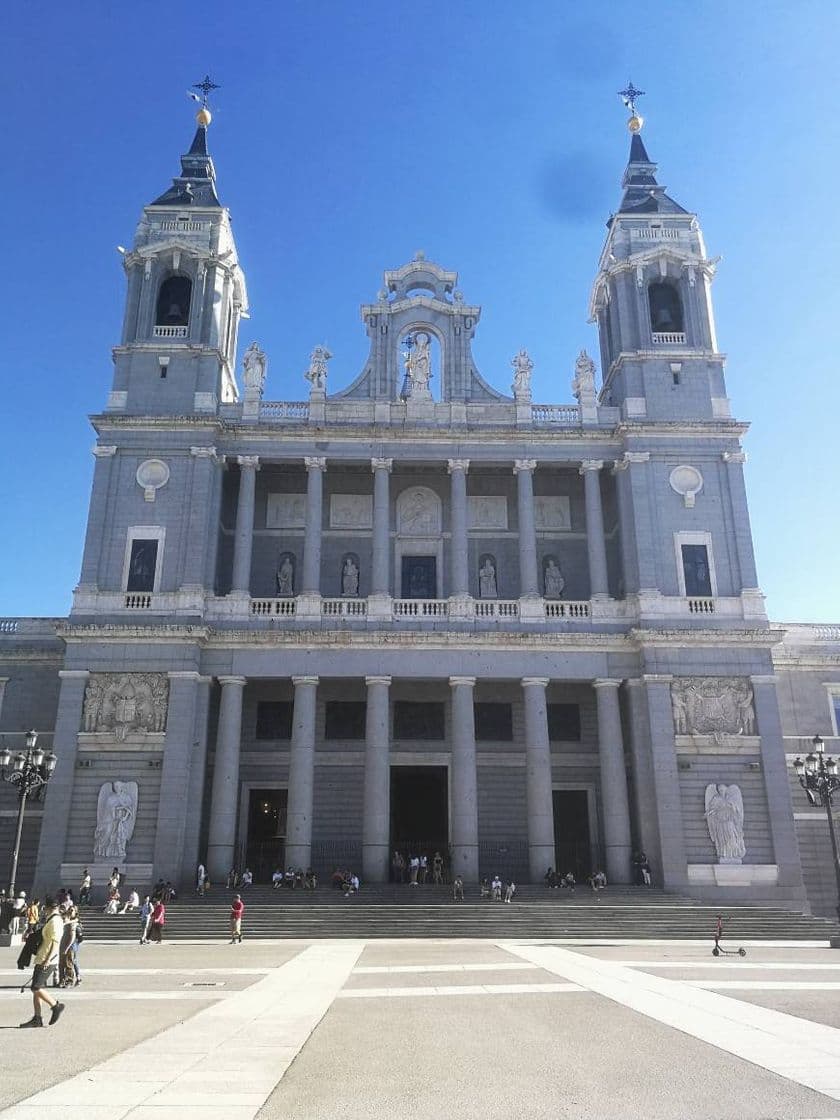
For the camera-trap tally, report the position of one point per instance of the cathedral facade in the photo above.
(421, 613)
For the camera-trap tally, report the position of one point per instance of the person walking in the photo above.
(457, 889)
(84, 888)
(237, 909)
(157, 922)
(199, 880)
(45, 961)
(145, 919)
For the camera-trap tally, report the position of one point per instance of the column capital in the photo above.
(657, 678)
(249, 461)
(184, 675)
(457, 465)
(240, 681)
(590, 465)
(521, 465)
(734, 456)
(634, 682)
(606, 682)
(455, 681)
(305, 680)
(203, 452)
(104, 451)
(764, 678)
(381, 464)
(315, 462)
(74, 674)
(538, 682)
(377, 680)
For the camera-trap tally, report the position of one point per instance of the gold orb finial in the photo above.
(203, 117)
(635, 123)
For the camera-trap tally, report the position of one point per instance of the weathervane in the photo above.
(206, 85)
(628, 96)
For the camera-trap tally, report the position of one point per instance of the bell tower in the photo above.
(186, 295)
(652, 301)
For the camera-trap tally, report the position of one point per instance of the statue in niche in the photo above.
(254, 365)
(286, 577)
(418, 364)
(487, 588)
(522, 366)
(553, 581)
(350, 578)
(716, 706)
(316, 375)
(116, 813)
(725, 821)
(583, 385)
(126, 703)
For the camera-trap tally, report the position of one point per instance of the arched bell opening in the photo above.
(173, 302)
(666, 310)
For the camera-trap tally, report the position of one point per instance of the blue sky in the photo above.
(348, 135)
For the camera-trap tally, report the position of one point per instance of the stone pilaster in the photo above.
(666, 781)
(311, 582)
(741, 519)
(644, 794)
(538, 777)
(614, 800)
(380, 575)
(524, 471)
(59, 795)
(99, 495)
(464, 781)
(595, 543)
(175, 775)
(244, 533)
(377, 794)
(301, 774)
(204, 466)
(635, 495)
(457, 469)
(193, 809)
(221, 851)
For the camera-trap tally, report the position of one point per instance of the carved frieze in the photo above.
(126, 703)
(351, 511)
(285, 511)
(487, 511)
(552, 511)
(716, 706)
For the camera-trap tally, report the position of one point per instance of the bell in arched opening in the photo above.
(666, 314)
(173, 303)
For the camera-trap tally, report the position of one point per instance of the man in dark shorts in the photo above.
(46, 961)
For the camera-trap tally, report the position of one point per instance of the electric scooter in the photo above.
(717, 950)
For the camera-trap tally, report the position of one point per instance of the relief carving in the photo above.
(717, 706)
(725, 821)
(124, 703)
(116, 813)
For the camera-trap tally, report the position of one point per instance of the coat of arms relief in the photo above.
(126, 704)
(720, 707)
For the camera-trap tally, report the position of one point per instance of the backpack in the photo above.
(31, 945)
(80, 933)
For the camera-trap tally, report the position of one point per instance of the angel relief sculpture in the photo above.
(725, 821)
(116, 814)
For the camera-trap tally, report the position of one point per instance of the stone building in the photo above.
(421, 612)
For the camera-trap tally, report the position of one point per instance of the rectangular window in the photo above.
(564, 723)
(345, 719)
(274, 719)
(142, 564)
(493, 723)
(414, 720)
(695, 559)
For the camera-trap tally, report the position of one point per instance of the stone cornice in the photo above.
(169, 632)
(765, 639)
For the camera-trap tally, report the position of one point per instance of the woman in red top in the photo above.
(237, 909)
(157, 923)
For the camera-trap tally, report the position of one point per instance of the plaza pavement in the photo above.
(431, 1029)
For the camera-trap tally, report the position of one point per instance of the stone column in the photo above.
(175, 775)
(301, 774)
(380, 576)
(457, 469)
(644, 794)
(464, 781)
(376, 820)
(777, 784)
(666, 781)
(199, 526)
(596, 546)
(311, 582)
(96, 525)
(194, 797)
(539, 789)
(741, 519)
(244, 533)
(221, 841)
(59, 796)
(615, 805)
(528, 586)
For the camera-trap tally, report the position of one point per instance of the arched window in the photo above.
(173, 305)
(666, 313)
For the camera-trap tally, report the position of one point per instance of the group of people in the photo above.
(414, 868)
(496, 890)
(293, 878)
(554, 880)
(343, 879)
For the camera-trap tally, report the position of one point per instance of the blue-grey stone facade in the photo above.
(531, 633)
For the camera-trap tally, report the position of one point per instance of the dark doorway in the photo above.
(265, 848)
(419, 577)
(420, 810)
(573, 849)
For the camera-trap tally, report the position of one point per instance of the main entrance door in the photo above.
(265, 846)
(419, 577)
(572, 842)
(420, 810)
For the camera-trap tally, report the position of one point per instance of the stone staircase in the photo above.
(428, 911)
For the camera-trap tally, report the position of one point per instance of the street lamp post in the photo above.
(819, 778)
(28, 771)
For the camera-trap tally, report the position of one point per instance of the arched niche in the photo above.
(420, 332)
(418, 544)
(666, 310)
(173, 302)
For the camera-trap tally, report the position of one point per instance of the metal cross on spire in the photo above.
(206, 85)
(629, 95)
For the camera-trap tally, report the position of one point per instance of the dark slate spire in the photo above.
(642, 193)
(196, 185)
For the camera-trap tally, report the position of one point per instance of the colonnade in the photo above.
(458, 469)
(464, 830)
